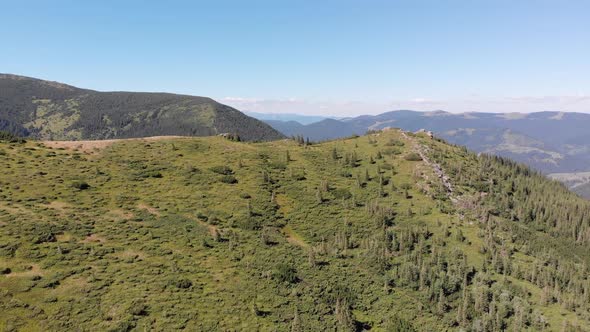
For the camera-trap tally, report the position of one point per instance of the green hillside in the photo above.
(385, 232)
(54, 111)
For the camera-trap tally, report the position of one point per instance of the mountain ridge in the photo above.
(551, 142)
(52, 110)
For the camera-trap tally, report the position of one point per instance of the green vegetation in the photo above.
(157, 235)
(413, 156)
(80, 185)
(10, 137)
(54, 111)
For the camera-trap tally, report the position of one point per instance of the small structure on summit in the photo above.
(427, 132)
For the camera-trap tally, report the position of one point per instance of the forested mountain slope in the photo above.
(55, 111)
(386, 232)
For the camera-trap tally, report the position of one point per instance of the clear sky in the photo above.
(319, 56)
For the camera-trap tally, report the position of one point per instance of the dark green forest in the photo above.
(54, 111)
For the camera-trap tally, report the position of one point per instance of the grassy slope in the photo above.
(156, 219)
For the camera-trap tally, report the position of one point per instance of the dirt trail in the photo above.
(423, 150)
(293, 237)
(213, 230)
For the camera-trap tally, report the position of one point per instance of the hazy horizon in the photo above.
(331, 109)
(523, 105)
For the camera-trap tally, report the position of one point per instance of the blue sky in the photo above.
(334, 57)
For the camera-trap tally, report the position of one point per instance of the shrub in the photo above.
(386, 166)
(202, 216)
(151, 174)
(223, 170)
(391, 151)
(192, 170)
(342, 193)
(298, 175)
(9, 137)
(228, 179)
(80, 185)
(8, 249)
(249, 223)
(138, 308)
(394, 142)
(285, 273)
(213, 220)
(413, 156)
(399, 324)
(51, 282)
(45, 237)
(182, 283)
(50, 299)
(278, 165)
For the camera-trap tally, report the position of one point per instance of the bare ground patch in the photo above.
(150, 209)
(95, 146)
(58, 206)
(120, 214)
(65, 237)
(293, 237)
(130, 253)
(93, 238)
(34, 270)
(84, 146)
(213, 230)
(72, 286)
(14, 209)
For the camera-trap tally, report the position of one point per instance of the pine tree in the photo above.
(311, 259)
(296, 322)
(343, 315)
(334, 154)
(359, 182)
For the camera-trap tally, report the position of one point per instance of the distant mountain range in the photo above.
(551, 142)
(300, 118)
(56, 111)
